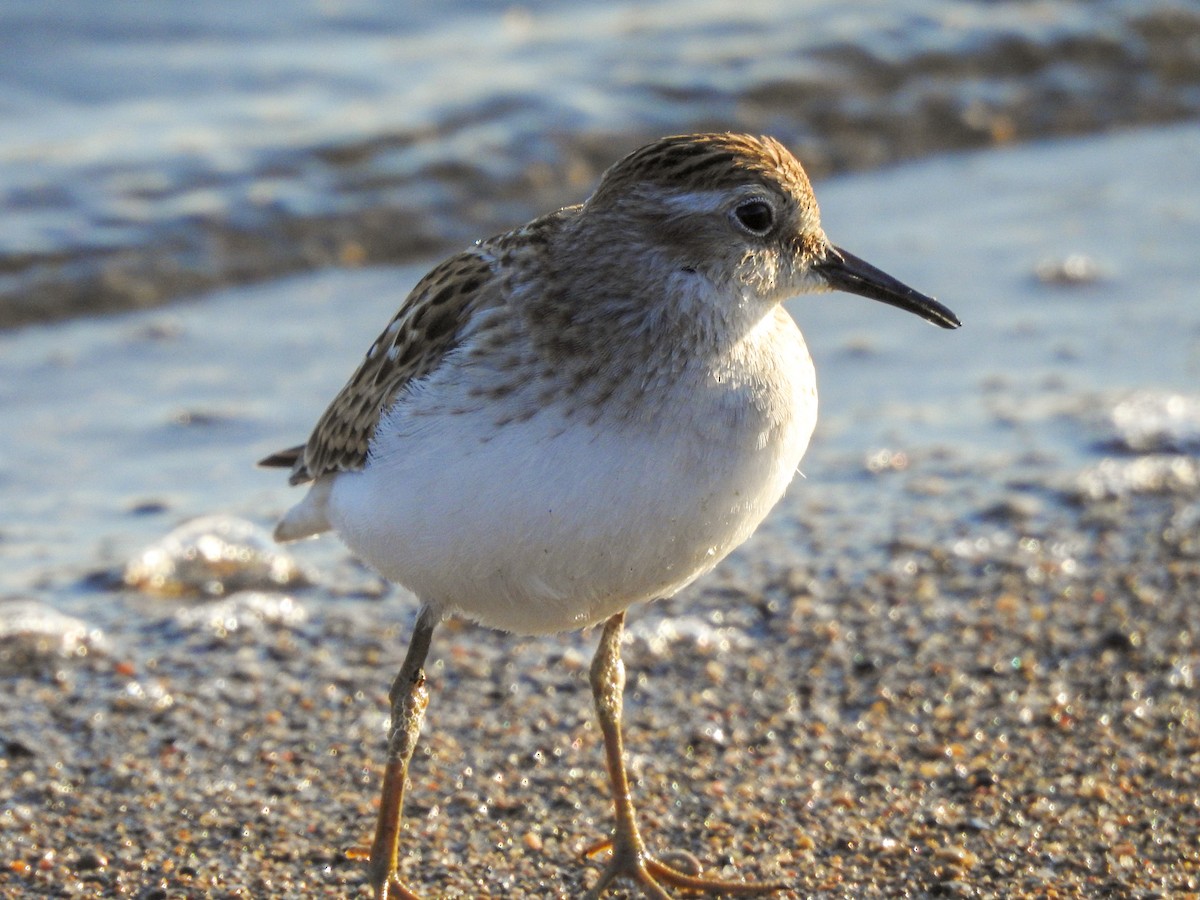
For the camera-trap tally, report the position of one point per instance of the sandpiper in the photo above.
(584, 413)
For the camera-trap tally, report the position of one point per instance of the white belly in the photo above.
(553, 523)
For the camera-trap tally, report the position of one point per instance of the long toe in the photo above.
(388, 886)
(699, 884)
(394, 889)
(654, 876)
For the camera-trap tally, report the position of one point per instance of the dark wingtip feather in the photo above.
(284, 459)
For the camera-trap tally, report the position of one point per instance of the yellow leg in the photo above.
(629, 857)
(409, 697)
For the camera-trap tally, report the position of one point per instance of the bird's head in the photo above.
(737, 212)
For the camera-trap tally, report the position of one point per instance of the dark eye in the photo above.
(756, 216)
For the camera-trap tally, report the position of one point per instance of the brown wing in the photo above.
(424, 330)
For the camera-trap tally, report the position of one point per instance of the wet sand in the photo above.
(1006, 708)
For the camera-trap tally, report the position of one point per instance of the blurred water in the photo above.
(149, 150)
(117, 429)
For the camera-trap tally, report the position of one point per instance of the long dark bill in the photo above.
(846, 272)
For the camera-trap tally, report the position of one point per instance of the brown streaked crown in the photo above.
(706, 162)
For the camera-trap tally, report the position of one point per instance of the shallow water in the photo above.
(117, 429)
(146, 154)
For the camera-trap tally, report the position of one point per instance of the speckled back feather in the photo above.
(414, 342)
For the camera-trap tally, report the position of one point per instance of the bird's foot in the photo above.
(388, 886)
(393, 889)
(651, 875)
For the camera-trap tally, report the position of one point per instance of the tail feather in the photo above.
(308, 517)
